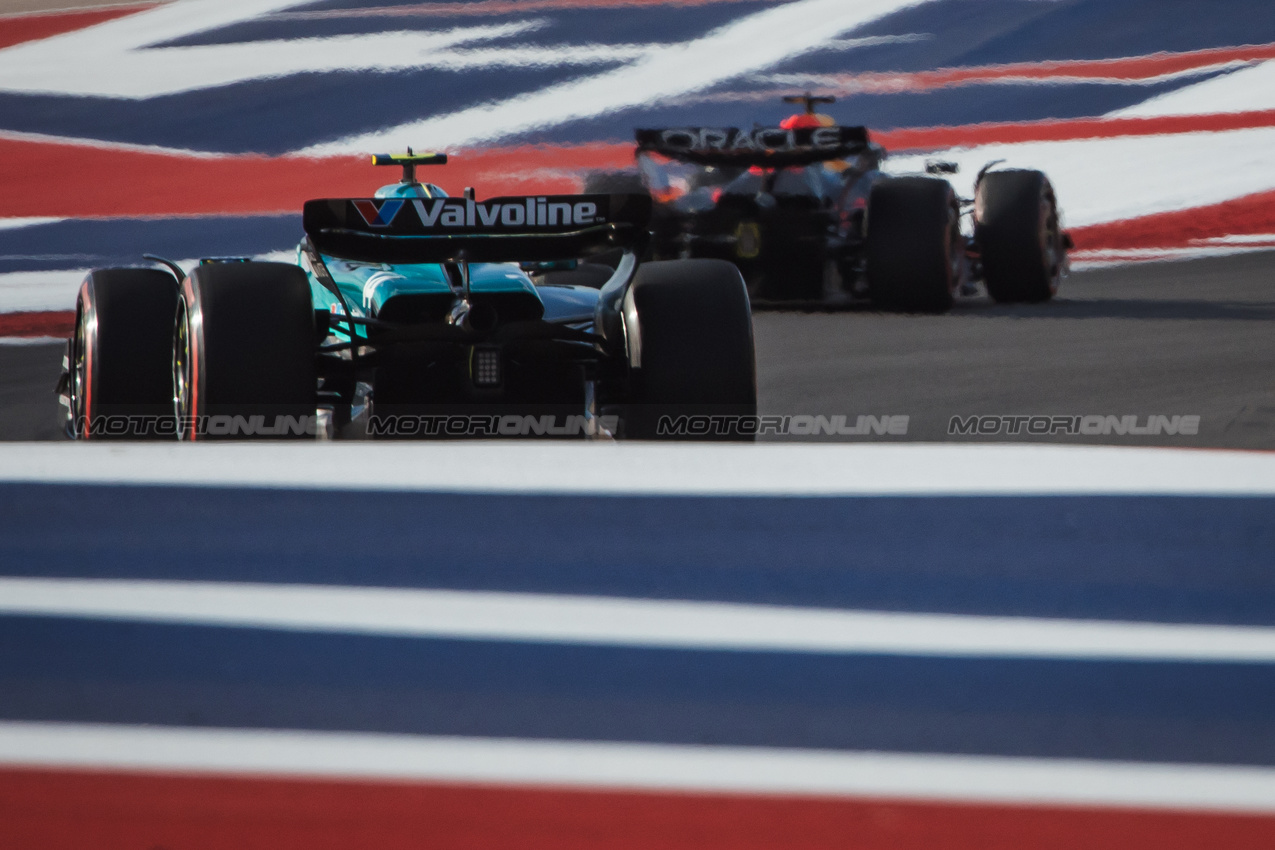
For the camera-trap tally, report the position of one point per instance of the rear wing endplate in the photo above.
(531, 228)
(770, 147)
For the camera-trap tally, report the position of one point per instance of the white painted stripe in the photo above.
(102, 144)
(1168, 253)
(1113, 179)
(40, 290)
(117, 58)
(1263, 239)
(625, 622)
(654, 469)
(1107, 257)
(58, 289)
(743, 770)
(29, 221)
(752, 43)
(32, 340)
(1246, 90)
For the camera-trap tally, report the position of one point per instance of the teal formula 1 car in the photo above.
(416, 314)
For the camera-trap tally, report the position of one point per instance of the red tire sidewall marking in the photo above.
(194, 342)
(88, 316)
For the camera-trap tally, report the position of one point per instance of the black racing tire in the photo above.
(243, 346)
(121, 385)
(689, 332)
(914, 248)
(1017, 230)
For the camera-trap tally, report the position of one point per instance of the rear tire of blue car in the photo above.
(689, 333)
(243, 349)
(119, 385)
(1017, 229)
(915, 253)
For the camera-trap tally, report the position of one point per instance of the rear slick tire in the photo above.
(243, 353)
(690, 339)
(1017, 230)
(120, 384)
(915, 253)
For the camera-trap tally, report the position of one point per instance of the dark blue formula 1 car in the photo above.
(806, 213)
(414, 313)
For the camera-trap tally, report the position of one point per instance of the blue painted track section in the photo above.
(1159, 559)
(1174, 559)
(82, 671)
(99, 243)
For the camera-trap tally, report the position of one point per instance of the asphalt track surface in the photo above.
(1174, 338)
(1157, 339)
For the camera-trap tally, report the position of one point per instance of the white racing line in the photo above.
(119, 58)
(605, 621)
(32, 340)
(657, 767)
(56, 290)
(40, 290)
(751, 43)
(686, 469)
(1245, 90)
(1114, 179)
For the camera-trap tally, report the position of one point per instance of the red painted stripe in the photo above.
(139, 183)
(50, 323)
(143, 183)
(131, 182)
(1131, 68)
(15, 29)
(54, 809)
(1253, 214)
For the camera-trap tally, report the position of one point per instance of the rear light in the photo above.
(485, 367)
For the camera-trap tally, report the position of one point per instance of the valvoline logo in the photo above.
(546, 213)
(381, 216)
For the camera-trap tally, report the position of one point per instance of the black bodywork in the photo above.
(790, 208)
(780, 204)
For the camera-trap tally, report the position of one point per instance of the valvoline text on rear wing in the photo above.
(498, 230)
(772, 147)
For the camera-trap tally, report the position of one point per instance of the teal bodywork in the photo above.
(369, 287)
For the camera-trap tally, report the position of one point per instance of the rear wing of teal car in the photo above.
(767, 147)
(533, 228)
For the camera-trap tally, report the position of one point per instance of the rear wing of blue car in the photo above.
(769, 147)
(531, 228)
